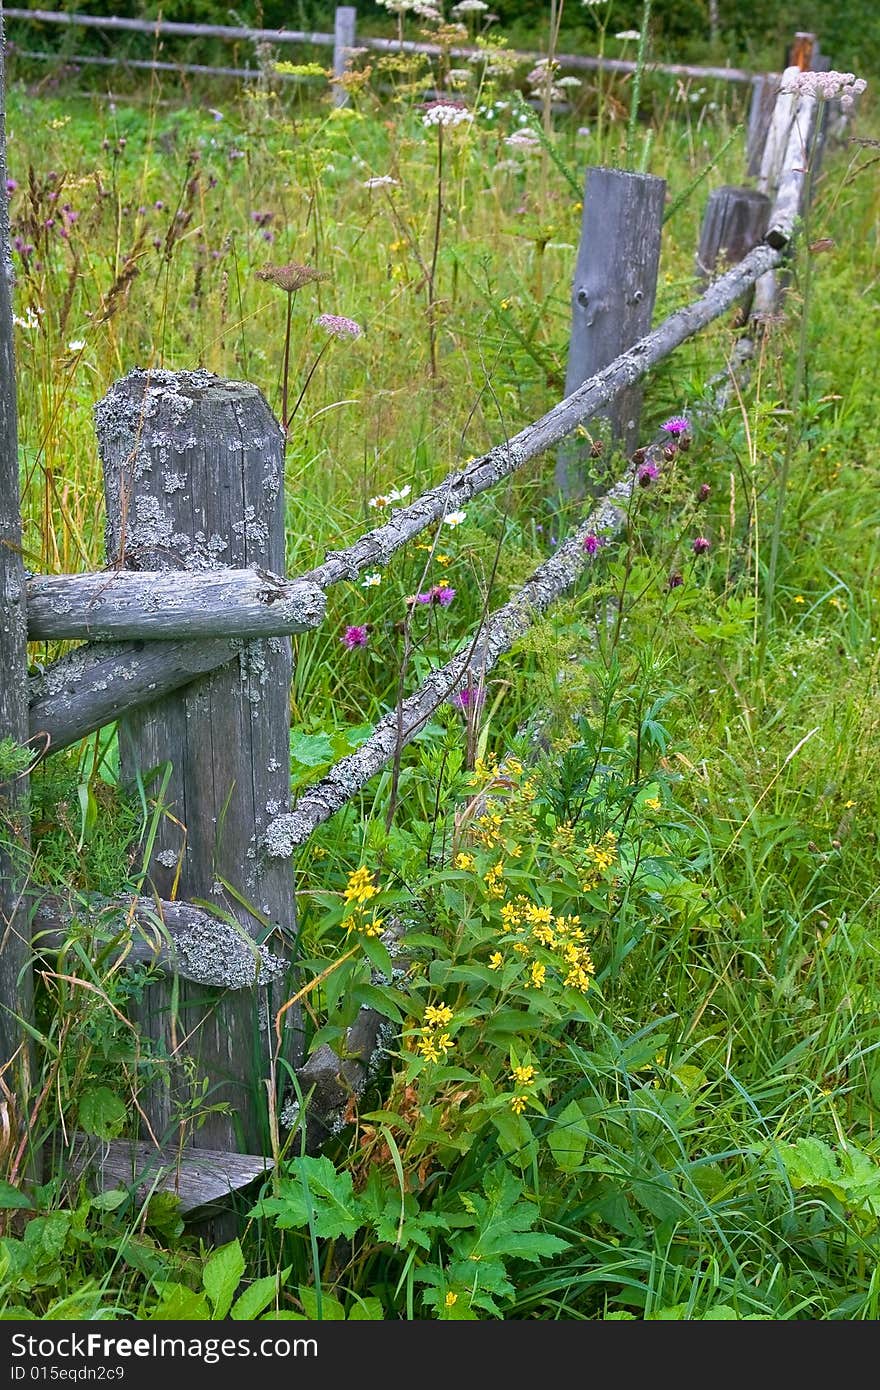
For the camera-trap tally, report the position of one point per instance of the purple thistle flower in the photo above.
(647, 474)
(425, 598)
(11, 185)
(469, 697)
(443, 595)
(700, 545)
(674, 581)
(355, 637)
(703, 492)
(677, 424)
(592, 543)
(338, 326)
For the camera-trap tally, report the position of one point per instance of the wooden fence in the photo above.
(344, 40)
(187, 645)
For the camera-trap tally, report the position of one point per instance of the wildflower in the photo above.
(438, 1015)
(468, 7)
(262, 219)
(494, 880)
(356, 636)
(76, 345)
(677, 424)
(592, 542)
(291, 277)
(428, 1049)
(440, 593)
(518, 1104)
(11, 185)
(452, 1298)
(445, 113)
(496, 960)
(465, 862)
(371, 581)
(454, 518)
(538, 974)
(381, 181)
(569, 81)
(524, 1075)
(798, 598)
(699, 545)
(825, 86)
(338, 326)
(675, 580)
(384, 499)
(647, 474)
(469, 697)
(522, 140)
(628, 36)
(703, 492)
(360, 887)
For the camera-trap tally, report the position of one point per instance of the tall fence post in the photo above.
(344, 25)
(734, 222)
(193, 473)
(615, 283)
(16, 990)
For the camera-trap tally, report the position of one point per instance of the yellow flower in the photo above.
(524, 1075)
(443, 560)
(538, 974)
(493, 878)
(360, 886)
(799, 598)
(428, 1050)
(438, 1015)
(511, 916)
(444, 1042)
(451, 1299)
(653, 803)
(521, 948)
(847, 805)
(538, 916)
(464, 861)
(496, 960)
(518, 1104)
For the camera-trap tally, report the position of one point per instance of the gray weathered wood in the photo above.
(793, 185)
(125, 604)
(16, 993)
(172, 937)
(93, 685)
(764, 89)
(776, 140)
(344, 26)
(199, 1177)
(615, 283)
(193, 473)
(734, 222)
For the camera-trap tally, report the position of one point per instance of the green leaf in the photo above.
(367, 1310)
(257, 1296)
(11, 1197)
(310, 750)
(378, 955)
(222, 1276)
(177, 1303)
(385, 1001)
(331, 1309)
(568, 1138)
(101, 1113)
(332, 1201)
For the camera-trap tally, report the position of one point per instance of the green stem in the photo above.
(637, 84)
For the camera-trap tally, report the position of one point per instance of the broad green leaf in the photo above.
(366, 1310)
(331, 1309)
(11, 1197)
(177, 1303)
(222, 1276)
(310, 750)
(101, 1112)
(568, 1138)
(378, 955)
(330, 1199)
(257, 1297)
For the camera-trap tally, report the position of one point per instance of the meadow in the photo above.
(631, 1068)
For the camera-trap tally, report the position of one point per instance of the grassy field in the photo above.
(634, 1067)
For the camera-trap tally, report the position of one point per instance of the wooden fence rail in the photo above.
(344, 39)
(188, 647)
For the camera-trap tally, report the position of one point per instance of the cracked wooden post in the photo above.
(193, 475)
(16, 991)
(344, 24)
(615, 283)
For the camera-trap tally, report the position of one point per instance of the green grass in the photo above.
(719, 1089)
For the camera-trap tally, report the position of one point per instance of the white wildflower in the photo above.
(468, 7)
(381, 181)
(445, 113)
(454, 518)
(371, 581)
(568, 82)
(628, 36)
(522, 140)
(824, 86)
(76, 345)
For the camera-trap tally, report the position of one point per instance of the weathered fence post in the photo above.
(734, 222)
(344, 25)
(615, 283)
(15, 952)
(193, 470)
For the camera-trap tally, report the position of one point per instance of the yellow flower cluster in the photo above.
(436, 1042)
(524, 1075)
(494, 880)
(598, 859)
(527, 925)
(518, 1104)
(359, 890)
(464, 861)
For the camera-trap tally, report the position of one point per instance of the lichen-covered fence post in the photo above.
(344, 25)
(15, 951)
(193, 470)
(615, 283)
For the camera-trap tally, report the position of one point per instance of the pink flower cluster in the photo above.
(439, 593)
